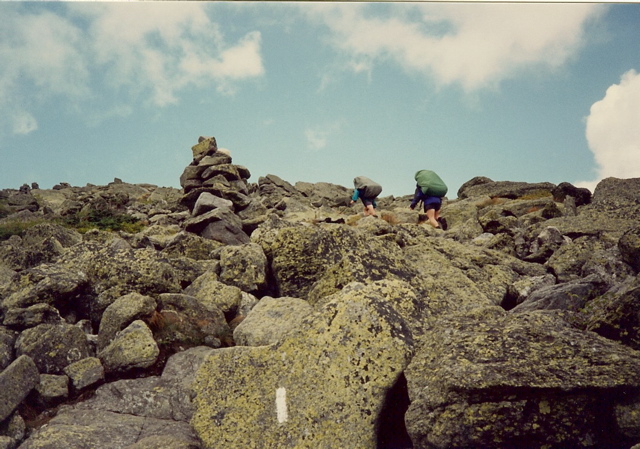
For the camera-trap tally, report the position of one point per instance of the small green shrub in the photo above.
(16, 227)
(104, 220)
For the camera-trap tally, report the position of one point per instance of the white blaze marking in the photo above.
(281, 405)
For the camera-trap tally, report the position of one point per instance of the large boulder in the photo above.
(121, 313)
(311, 262)
(53, 346)
(244, 266)
(490, 379)
(134, 347)
(325, 395)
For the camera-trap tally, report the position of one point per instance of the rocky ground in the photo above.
(233, 314)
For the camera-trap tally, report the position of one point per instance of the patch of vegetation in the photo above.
(16, 227)
(105, 220)
(536, 195)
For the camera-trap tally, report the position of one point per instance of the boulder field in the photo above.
(230, 314)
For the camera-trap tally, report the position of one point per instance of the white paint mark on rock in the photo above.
(281, 405)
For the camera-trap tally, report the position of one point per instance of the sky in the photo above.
(319, 91)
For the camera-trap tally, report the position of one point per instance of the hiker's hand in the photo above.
(351, 202)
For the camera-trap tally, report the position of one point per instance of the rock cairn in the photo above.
(214, 191)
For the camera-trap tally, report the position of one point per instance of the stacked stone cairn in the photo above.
(216, 192)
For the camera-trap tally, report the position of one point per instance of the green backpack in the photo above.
(430, 183)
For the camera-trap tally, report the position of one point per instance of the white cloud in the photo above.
(473, 45)
(613, 133)
(24, 123)
(318, 136)
(80, 52)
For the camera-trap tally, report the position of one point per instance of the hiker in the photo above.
(367, 190)
(430, 189)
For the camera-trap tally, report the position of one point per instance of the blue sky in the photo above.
(320, 91)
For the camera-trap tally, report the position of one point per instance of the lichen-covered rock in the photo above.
(629, 245)
(51, 390)
(7, 341)
(96, 429)
(121, 313)
(22, 318)
(85, 373)
(183, 320)
(244, 267)
(16, 381)
(53, 346)
(616, 315)
(270, 320)
(490, 379)
(572, 296)
(306, 391)
(134, 347)
(214, 295)
(48, 283)
(506, 189)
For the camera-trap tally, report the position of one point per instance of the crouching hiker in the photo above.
(430, 189)
(367, 190)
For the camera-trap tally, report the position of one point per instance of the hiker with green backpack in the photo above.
(430, 189)
(367, 190)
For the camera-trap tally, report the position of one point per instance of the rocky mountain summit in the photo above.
(232, 314)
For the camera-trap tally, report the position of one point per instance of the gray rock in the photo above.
(7, 341)
(53, 346)
(221, 225)
(616, 315)
(629, 245)
(22, 318)
(134, 347)
(490, 379)
(52, 389)
(16, 381)
(572, 296)
(85, 373)
(244, 266)
(270, 320)
(121, 313)
(207, 202)
(506, 189)
(80, 429)
(213, 295)
(184, 320)
(13, 430)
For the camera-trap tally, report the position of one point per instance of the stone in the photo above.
(7, 341)
(52, 389)
(564, 190)
(214, 295)
(244, 266)
(184, 320)
(221, 225)
(85, 373)
(134, 347)
(629, 245)
(16, 381)
(22, 318)
(486, 378)
(572, 296)
(305, 391)
(53, 346)
(271, 320)
(122, 312)
(207, 202)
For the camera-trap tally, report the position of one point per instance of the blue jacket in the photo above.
(426, 199)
